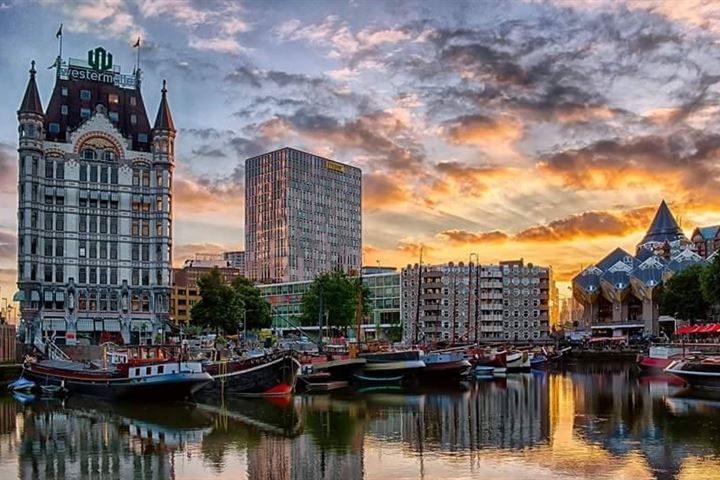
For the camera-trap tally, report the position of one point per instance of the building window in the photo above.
(142, 137)
(85, 95)
(60, 171)
(83, 173)
(82, 252)
(113, 99)
(59, 248)
(48, 273)
(84, 113)
(82, 277)
(89, 154)
(92, 275)
(114, 175)
(113, 251)
(133, 119)
(113, 225)
(114, 117)
(63, 109)
(93, 173)
(83, 223)
(64, 91)
(54, 128)
(59, 277)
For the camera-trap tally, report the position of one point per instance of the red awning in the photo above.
(683, 330)
(607, 339)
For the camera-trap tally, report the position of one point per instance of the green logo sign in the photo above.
(100, 60)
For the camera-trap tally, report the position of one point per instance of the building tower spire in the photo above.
(31, 101)
(163, 120)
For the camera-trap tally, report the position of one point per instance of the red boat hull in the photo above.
(651, 364)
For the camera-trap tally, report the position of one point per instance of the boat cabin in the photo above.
(169, 368)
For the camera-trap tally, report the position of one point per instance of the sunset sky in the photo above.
(544, 130)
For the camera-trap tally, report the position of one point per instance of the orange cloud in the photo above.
(464, 237)
(382, 190)
(197, 197)
(482, 130)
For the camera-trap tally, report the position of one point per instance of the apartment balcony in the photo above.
(491, 328)
(432, 296)
(433, 329)
(491, 296)
(431, 284)
(486, 284)
(491, 318)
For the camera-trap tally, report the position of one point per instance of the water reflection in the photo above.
(598, 421)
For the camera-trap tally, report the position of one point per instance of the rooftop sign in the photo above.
(99, 68)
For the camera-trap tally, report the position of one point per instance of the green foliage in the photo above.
(682, 296)
(219, 308)
(710, 282)
(257, 308)
(339, 294)
(222, 305)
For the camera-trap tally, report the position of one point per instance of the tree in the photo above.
(710, 282)
(257, 308)
(338, 294)
(219, 307)
(682, 296)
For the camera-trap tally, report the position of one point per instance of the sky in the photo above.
(548, 131)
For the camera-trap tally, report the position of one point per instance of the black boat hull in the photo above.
(271, 376)
(174, 387)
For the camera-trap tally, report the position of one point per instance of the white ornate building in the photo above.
(94, 206)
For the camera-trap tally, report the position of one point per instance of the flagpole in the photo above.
(61, 38)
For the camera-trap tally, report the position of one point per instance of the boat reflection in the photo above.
(601, 423)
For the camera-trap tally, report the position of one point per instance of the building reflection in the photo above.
(590, 423)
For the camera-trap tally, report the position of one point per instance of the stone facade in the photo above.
(94, 212)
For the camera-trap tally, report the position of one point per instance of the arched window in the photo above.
(89, 154)
(135, 303)
(82, 301)
(145, 303)
(109, 156)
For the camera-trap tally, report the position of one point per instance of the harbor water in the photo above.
(594, 421)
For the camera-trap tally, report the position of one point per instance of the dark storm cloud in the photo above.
(691, 154)
(209, 151)
(245, 75)
(381, 135)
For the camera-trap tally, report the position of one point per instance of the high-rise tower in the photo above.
(95, 206)
(302, 216)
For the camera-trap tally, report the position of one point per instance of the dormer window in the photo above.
(142, 137)
(133, 119)
(63, 109)
(89, 154)
(113, 99)
(85, 95)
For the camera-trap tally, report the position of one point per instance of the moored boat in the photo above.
(518, 361)
(147, 381)
(697, 372)
(393, 363)
(268, 375)
(659, 357)
(444, 365)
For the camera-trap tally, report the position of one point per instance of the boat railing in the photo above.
(53, 351)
